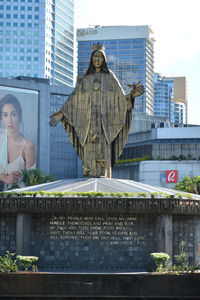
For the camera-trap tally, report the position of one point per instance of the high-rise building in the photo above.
(170, 98)
(37, 39)
(130, 55)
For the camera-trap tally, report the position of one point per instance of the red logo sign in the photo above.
(171, 176)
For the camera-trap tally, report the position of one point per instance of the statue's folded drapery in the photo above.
(97, 122)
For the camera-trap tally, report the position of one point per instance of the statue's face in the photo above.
(97, 60)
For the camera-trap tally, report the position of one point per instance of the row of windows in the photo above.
(63, 38)
(63, 30)
(29, 8)
(9, 7)
(15, 41)
(6, 74)
(63, 78)
(20, 33)
(22, 25)
(64, 54)
(28, 67)
(63, 62)
(15, 58)
(64, 47)
(21, 1)
(64, 7)
(63, 70)
(113, 42)
(64, 14)
(87, 54)
(15, 50)
(15, 16)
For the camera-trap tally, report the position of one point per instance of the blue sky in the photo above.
(175, 24)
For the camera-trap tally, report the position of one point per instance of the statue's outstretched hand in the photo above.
(55, 118)
(137, 89)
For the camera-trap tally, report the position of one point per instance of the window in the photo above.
(29, 8)
(8, 7)
(22, 25)
(15, 16)
(8, 16)
(29, 25)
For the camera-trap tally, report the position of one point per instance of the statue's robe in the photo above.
(97, 121)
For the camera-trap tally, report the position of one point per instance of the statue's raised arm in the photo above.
(97, 116)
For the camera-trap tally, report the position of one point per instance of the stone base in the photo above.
(100, 286)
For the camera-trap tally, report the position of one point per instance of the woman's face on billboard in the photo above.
(10, 117)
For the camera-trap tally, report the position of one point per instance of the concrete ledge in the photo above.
(126, 285)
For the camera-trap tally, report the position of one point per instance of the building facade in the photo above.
(170, 98)
(37, 39)
(171, 153)
(130, 55)
(163, 142)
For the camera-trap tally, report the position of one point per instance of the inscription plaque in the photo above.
(95, 242)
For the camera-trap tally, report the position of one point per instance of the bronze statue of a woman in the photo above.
(97, 116)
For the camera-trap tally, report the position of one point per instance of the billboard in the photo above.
(18, 131)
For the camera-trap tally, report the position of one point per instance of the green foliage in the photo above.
(133, 160)
(181, 261)
(8, 263)
(42, 193)
(26, 262)
(159, 258)
(182, 258)
(182, 157)
(189, 184)
(34, 177)
(173, 157)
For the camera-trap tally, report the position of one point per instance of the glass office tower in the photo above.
(130, 55)
(37, 39)
(170, 98)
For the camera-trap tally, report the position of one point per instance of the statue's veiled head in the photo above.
(98, 60)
